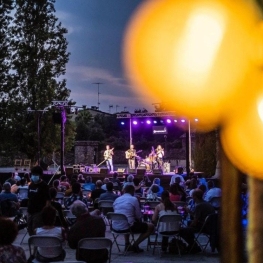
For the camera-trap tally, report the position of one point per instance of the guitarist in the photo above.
(108, 153)
(130, 155)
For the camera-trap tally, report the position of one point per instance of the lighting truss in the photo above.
(145, 115)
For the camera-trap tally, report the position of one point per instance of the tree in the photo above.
(6, 7)
(205, 153)
(39, 57)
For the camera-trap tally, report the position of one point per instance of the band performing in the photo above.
(155, 159)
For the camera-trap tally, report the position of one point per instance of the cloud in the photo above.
(64, 18)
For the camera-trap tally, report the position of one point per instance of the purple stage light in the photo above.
(175, 120)
(182, 120)
(148, 122)
(168, 121)
(161, 121)
(154, 122)
(122, 123)
(135, 122)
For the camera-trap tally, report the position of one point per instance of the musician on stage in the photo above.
(130, 155)
(159, 154)
(108, 153)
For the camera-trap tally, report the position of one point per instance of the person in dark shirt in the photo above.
(60, 219)
(38, 198)
(97, 192)
(202, 210)
(109, 195)
(86, 226)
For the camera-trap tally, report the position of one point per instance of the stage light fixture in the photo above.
(154, 122)
(183, 120)
(175, 120)
(168, 121)
(122, 123)
(148, 122)
(135, 122)
(196, 120)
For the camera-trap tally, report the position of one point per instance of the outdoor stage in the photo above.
(52, 174)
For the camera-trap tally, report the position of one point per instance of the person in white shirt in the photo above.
(211, 193)
(129, 205)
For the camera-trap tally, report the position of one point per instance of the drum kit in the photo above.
(149, 162)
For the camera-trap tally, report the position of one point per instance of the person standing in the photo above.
(38, 198)
(130, 155)
(108, 153)
(160, 155)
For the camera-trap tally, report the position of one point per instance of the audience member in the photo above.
(202, 210)
(87, 225)
(116, 182)
(64, 182)
(109, 195)
(60, 219)
(88, 185)
(174, 193)
(10, 253)
(105, 181)
(146, 182)
(11, 179)
(6, 193)
(69, 191)
(211, 193)
(156, 181)
(177, 175)
(58, 187)
(129, 181)
(49, 217)
(81, 179)
(192, 185)
(129, 205)
(76, 195)
(38, 198)
(137, 186)
(95, 194)
(166, 207)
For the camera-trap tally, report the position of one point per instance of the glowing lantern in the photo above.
(198, 56)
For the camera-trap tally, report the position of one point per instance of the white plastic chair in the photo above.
(45, 242)
(95, 244)
(120, 217)
(173, 223)
(105, 206)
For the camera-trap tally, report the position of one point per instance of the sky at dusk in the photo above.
(95, 34)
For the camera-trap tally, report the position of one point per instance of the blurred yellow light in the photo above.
(197, 56)
(242, 139)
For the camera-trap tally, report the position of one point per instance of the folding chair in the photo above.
(60, 196)
(120, 217)
(105, 207)
(24, 211)
(95, 244)
(70, 218)
(209, 228)
(173, 224)
(22, 193)
(152, 204)
(45, 242)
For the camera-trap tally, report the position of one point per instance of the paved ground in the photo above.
(131, 257)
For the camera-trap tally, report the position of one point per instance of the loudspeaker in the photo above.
(157, 171)
(121, 171)
(104, 170)
(141, 171)
(132, 171)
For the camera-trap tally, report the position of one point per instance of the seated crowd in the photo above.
(46, 217)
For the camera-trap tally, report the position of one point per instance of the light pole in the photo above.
(62, 105)
(98, 83)
(110, 107)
